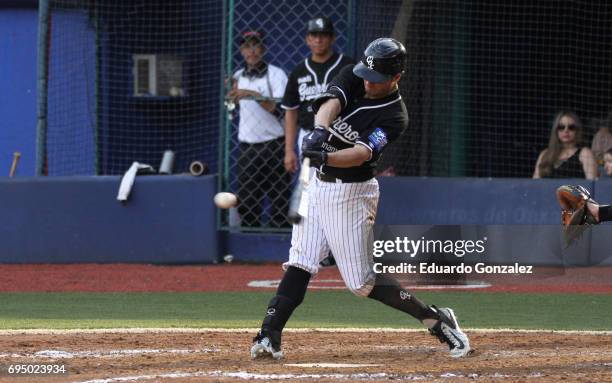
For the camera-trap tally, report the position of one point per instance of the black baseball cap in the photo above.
(251, 37)
(320, 25)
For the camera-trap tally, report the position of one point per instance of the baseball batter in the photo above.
(358, 116)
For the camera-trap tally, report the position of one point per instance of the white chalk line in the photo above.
(244, 375)
(64, 354)
(121, 353)
(191, 330)
(502, 353)
(273, 283)
(332, 365)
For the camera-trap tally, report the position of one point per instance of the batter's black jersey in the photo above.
(373, 123)
(307, 81)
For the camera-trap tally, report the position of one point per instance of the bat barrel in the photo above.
(16, 157)
(198, 168)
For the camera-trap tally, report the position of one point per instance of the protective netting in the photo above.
(255, 144)
(128, 80)
(486, 79)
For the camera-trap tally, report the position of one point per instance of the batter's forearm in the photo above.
(347, 158)
(328, 112)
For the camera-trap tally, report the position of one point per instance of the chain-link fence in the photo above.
(483, 83)
(254, 144)
(124, 81)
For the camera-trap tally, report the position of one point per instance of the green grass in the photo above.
(320, 309)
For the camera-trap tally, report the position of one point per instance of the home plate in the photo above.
(331, 365)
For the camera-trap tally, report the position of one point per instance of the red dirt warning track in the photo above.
(236, 277)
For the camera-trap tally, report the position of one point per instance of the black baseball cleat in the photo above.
(266, 345)
(447, 331)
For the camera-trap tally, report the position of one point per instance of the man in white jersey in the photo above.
(261, 135)
(356, 118)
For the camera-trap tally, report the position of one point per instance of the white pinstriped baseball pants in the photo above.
(341, 219)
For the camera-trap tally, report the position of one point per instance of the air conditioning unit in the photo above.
(158, 75)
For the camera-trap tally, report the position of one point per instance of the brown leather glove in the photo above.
(575, 217)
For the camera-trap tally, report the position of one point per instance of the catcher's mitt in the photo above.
(575, 217)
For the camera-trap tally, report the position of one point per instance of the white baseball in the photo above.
(225, 200)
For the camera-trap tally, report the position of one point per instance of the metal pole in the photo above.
(44, 28)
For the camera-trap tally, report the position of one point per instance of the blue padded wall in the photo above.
(78, 220)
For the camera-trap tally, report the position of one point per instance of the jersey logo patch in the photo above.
(378, 139)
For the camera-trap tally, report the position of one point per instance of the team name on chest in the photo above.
(345, 129)
(309, 92)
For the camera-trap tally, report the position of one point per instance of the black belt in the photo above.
(348, 180)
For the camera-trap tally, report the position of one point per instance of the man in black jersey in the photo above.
(360, 113)
(306, 82)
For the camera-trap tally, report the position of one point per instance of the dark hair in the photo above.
(554, 148)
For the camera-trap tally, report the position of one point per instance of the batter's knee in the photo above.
(364, 289)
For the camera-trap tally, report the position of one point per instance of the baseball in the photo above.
(225, 200)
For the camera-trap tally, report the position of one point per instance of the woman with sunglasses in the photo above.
(565, 157)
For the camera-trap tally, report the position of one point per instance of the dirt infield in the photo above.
(237, 277)
(348, 356)
(324, 356)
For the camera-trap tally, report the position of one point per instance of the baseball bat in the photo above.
(294, 216)
(16, 157)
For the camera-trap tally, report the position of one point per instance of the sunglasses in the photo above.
(571, 127)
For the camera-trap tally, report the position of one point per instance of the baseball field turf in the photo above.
(73, 310)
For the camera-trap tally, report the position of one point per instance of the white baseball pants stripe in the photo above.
(341, 219)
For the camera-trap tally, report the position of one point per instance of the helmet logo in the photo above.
(370, 61)
(319, 23)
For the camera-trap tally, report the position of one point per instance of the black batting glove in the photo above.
(317, 158)
(314, 139)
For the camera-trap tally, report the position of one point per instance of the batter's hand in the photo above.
(313, 141)
(317, 158)
(291, 162)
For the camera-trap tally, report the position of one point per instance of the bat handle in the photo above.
(305, 170)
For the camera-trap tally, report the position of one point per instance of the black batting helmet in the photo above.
(383, 58)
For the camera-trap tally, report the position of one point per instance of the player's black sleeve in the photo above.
(347, 60)
(291, 98)
(345, 86)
